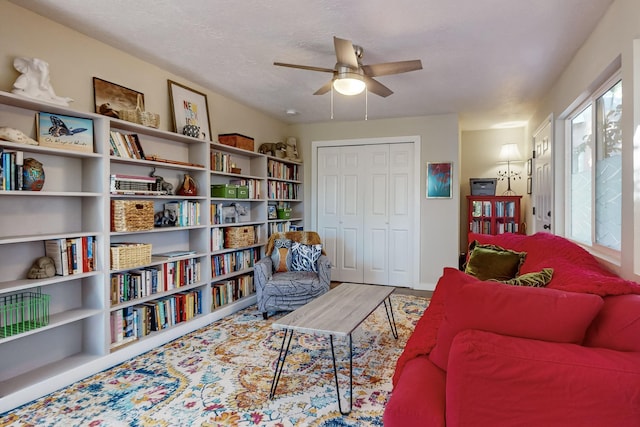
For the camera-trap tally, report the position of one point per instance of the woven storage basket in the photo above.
(138, 115)
(239, 237)
(131, 215)
(130, 255)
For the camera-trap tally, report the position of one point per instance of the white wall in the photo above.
(439, 218)
(610, 44)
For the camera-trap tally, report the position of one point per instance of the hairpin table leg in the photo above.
(335, 372)
(280, 363)
(391, 318)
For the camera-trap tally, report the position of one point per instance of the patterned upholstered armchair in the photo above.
(294, 271)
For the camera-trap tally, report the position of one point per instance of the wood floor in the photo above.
(403, 291)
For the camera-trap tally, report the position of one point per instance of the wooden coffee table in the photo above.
(337, 313)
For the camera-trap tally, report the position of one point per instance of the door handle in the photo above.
(547, 226)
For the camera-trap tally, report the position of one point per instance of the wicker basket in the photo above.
(130, 255)
(239, 237)
(131, 215)
(138, 115)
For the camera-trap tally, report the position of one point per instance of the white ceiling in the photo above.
(488, 60)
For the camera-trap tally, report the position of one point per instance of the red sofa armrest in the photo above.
(505, 381)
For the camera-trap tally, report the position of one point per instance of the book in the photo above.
(175, 254)
(56, 249)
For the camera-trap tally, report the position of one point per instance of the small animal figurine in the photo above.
(292, 149)
(161, 184)
(272, 148)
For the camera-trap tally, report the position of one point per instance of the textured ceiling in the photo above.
(488, 60)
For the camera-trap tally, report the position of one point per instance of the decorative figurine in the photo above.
(161, 184)
(42, 268)
(33, 175)
(15, 135)
(275, 149)
(34, 81)
(292, 149)
(188, 187)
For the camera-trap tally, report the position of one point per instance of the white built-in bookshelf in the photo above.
(88, 311)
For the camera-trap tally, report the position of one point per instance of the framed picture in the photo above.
(439, 180)
(65, 132)
(189, 107)
(529, 166)
(273, 214)
(529, 185)
(109, 98)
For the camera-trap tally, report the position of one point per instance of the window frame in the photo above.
(611, 255)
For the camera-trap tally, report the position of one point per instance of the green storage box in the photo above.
(226, 191)
(242, 192)
(284, 213)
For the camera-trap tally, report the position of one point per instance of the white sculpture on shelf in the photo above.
(292, 149)
(34, 81)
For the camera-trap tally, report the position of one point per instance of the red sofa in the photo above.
(492, 354)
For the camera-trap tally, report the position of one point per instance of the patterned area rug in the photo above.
(221, 376)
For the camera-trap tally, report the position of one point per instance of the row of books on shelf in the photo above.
(228, 213)
(72, 255)
(282, 190)
(140, 283)
(506, 209)
(125, 145)
(281, 170)
(484, 227)
(183, 213)
(227, 291)
(221, 162)
(481, 208)
(502, 208)
(233, 261)
(131, 323)
(11, 170)
(281, 227)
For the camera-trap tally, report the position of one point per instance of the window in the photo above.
(596, 169)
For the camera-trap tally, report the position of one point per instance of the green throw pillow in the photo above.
(493, 262)
(536, 279)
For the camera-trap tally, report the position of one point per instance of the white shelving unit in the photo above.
(234, 166)
(284, 189)
(75, 202)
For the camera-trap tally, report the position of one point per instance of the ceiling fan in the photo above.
(351, 77)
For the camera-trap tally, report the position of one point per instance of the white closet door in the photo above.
(376, 214)
(366, 212)
(340, 205)
(327, 201)
(401, 215)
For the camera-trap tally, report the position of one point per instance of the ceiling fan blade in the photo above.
(345, 53)
(305, 67)
(388, 68)
(325, 88)
(376, 87)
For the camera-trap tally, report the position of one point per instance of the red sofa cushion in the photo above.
(617, 325)
(498, 381)
(418, 399)
(538, 313)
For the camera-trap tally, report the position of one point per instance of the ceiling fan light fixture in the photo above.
(349, 84)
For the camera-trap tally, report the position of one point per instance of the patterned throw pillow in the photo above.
(304, 257)
(281, 255)
(536, 279)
